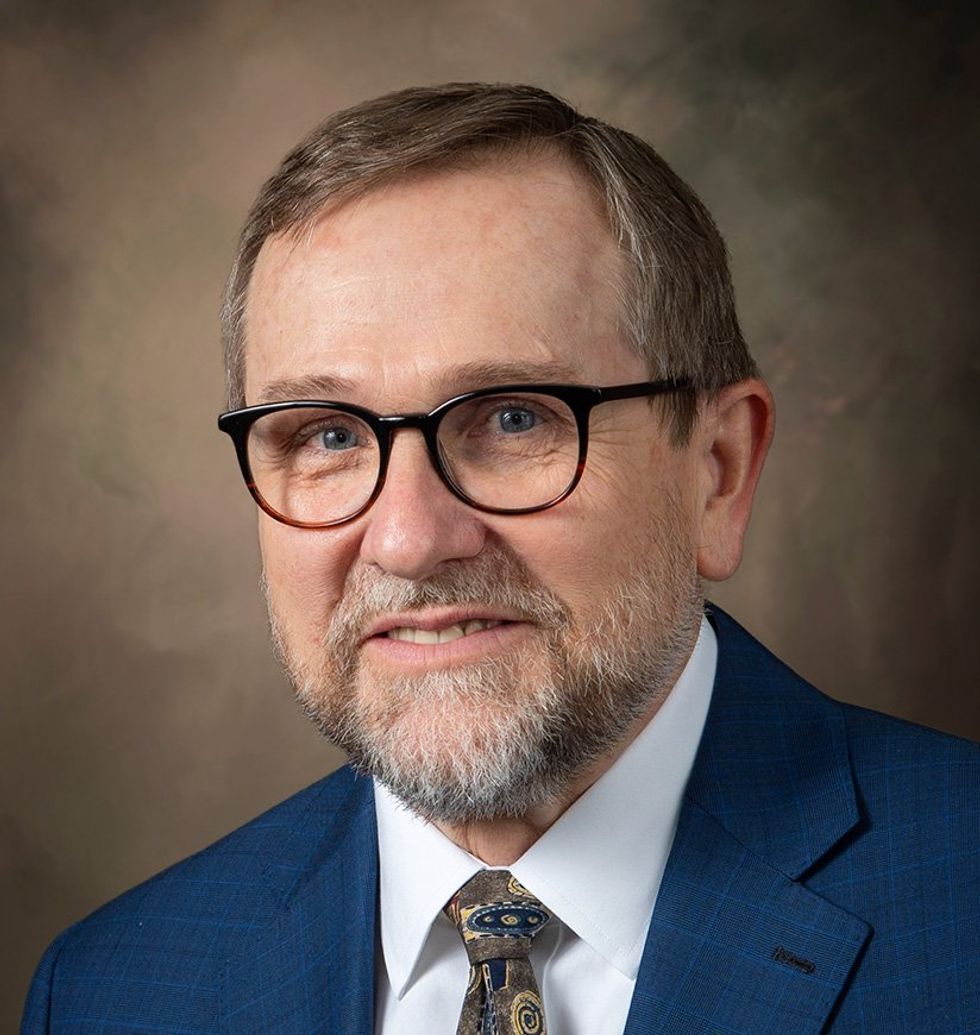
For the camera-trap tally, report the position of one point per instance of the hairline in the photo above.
(677, 303)
(506, 151)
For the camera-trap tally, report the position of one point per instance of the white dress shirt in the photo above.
(597, 870)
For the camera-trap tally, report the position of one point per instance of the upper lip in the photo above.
(438, 618)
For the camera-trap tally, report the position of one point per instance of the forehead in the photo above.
(402, 294)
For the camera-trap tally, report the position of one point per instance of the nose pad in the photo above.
(416, 523)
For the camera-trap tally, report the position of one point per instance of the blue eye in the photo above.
(515, 420)
(337, 439)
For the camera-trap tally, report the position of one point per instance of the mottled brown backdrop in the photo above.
(143, 715)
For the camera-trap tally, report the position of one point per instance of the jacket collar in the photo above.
(773, 766)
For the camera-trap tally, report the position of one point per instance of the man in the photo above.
(490, 394)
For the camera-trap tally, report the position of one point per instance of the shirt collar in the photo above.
(420, 869)
(624, 825)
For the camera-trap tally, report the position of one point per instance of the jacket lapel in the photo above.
(310, 965)
(737, 943)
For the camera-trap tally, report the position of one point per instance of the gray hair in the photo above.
(678, 304)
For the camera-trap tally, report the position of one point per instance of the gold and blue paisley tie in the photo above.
(498, 918)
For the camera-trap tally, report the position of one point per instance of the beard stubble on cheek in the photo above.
(513, 730)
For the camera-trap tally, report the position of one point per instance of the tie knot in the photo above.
(497, 916)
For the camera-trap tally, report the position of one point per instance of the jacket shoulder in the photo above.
(877, 744)
(179, 928)
(871, 731)
(213, 878)
(911, 774)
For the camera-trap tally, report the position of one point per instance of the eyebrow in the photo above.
(309, 386)
(454, 380)
(470, 376)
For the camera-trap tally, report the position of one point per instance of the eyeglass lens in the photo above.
(316, 465)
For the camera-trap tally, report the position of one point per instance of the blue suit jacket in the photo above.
(825, 877)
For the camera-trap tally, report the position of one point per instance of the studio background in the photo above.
(143, 715)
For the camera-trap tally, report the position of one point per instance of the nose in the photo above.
(416, 523)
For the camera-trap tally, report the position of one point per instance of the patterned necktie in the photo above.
(497, 918)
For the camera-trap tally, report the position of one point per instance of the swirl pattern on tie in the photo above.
(498, 918)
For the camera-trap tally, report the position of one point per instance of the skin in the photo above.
(403, 294)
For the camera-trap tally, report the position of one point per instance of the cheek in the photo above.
(304, 572)
(626, 491)
(595, 539)
(581, 548)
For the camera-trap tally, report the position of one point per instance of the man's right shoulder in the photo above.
(191, 918)
(240, 859)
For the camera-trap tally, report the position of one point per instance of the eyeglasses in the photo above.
(512, 449)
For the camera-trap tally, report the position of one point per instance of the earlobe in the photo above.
(737, 429)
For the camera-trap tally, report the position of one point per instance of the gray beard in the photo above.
(512, 732)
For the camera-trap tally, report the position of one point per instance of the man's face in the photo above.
(419, 291)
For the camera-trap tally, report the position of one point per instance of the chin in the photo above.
(455, 746)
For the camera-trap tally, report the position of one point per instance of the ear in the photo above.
(733, 438)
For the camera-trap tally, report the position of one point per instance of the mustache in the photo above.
(494, 578)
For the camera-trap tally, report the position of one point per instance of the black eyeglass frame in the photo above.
(580, 399)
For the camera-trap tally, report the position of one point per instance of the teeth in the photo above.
(476, 624)
(447, 635)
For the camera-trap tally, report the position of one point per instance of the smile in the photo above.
(456, 631)
(422, 641)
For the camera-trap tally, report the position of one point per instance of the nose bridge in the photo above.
(421, 422)
(416, 522)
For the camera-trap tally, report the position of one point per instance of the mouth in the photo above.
(456, 631)
(444, 635)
